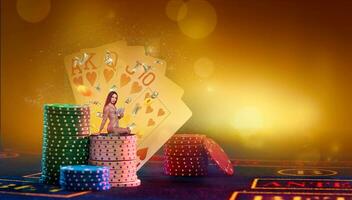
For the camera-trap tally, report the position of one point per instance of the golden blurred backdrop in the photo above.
(266, 79)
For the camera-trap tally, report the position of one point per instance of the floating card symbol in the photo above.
(94, 102)
(146, 67)
(136, 108)
(97, 88)
(158, 62)
(113, 88)
(99, 114)
(128, 100)
(82, 60)
(76, 61)
(132, 125)
(134, 69)
(108, 58)
(154, 95)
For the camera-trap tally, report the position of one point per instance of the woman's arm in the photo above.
(105, 117)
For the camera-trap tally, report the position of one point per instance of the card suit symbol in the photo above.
(135, 87)
(151, 122)
(149, 109)
(108, 74)
(78, 80)
(147, 95)
(91, 77)
(161, 112)
(142, 153)
(124, 80)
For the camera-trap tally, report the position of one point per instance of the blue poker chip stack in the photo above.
(84, 177)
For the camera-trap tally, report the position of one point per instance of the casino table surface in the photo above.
(253, 179)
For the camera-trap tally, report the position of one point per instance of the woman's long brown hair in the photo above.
(108, 98)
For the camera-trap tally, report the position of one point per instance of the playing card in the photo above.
(137, 73)
(105, 63)
(74, 64)
(156, 114)
(108, 61)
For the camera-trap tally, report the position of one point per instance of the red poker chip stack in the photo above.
(185, 156)
(119, 154)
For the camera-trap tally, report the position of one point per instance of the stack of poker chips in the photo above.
(84, 177)
(65, 139)
(184, 155)
(119, 154)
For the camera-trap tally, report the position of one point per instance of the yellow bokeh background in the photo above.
(266, 80)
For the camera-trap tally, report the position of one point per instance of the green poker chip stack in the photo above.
(65, 139)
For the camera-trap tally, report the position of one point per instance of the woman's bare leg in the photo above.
(122, 130)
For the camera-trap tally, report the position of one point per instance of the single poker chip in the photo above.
(49, 163)
(65, 120)
(84, 169)
(58, 145)
(85, 177)
(112, 138)
(65, 117)
(67, 154)
(84, 180)
(116, 178)
(113, 154)
(126, 184)
(217, 154)
(86, 188)
(126, 143)
(112, 150)
(122, 175)
(65, 129)
(68, 113)
(123, 171)
(183, 170)
(186, 139)
(185, 165)
(66, 107)
(56, 163)
(47, 133)
(186, 162)
(69, 142)
(186, 159)
(61, 150)
(83, 184)
(182, 152)
(185, 174)
(117, 157)
(113, 146)
(198, 147)
(112, 142)
(66, 137)
(62, 158)
(131, 164)
(65, 125)
(65, 145)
